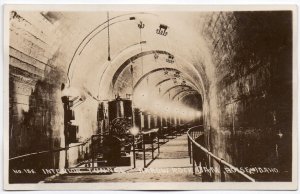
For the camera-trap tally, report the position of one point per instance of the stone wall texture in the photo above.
(35, 108)
(252, 53)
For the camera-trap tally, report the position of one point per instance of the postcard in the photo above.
(150, 97)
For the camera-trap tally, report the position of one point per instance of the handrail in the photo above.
(46, 151)
(220, 160)
(50, 151)
(143, 134)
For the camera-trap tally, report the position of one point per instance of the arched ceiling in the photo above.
(84, 49)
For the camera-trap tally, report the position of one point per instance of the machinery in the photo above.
(127, 128)
(117, 142)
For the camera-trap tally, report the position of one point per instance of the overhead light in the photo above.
(170, 59)
(162, 30)
(141, 25)
(155, 56)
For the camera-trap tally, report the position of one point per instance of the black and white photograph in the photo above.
(150, 97)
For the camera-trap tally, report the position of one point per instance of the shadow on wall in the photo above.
(36, 129)
(253, 57)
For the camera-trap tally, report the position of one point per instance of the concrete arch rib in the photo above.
(154, 71)
(176, 86)
(119, 64)
(184, 92)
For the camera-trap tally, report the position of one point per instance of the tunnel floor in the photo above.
(171, 165)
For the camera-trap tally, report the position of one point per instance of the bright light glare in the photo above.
(198, 114)
(134, 131)
(155, 104)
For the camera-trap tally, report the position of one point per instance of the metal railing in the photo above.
(48, 151)
(149, 137)
(200, 156)
(136, 144)
(37, 161)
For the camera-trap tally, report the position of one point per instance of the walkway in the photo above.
(171, 165)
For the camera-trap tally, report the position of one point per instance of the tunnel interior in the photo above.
(230, 72)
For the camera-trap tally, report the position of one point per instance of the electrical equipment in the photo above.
(119, 108)
(73, 130)
(170, 59)
(138, 118)
(70, 115)
(117, 143)
(102, 117)
(162, 30)
(141, 25)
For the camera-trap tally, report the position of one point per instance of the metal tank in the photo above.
(119, 108)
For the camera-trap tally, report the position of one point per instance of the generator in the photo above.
(117, 143)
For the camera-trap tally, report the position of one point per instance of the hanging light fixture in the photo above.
(141, 25)
(170, 59)
(177, 74)
(162, 30)
(108, 38)
(155, 56)
(166, 72)
(175, 80)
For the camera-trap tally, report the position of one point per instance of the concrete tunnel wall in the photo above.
(253, 57)
(248, 87)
